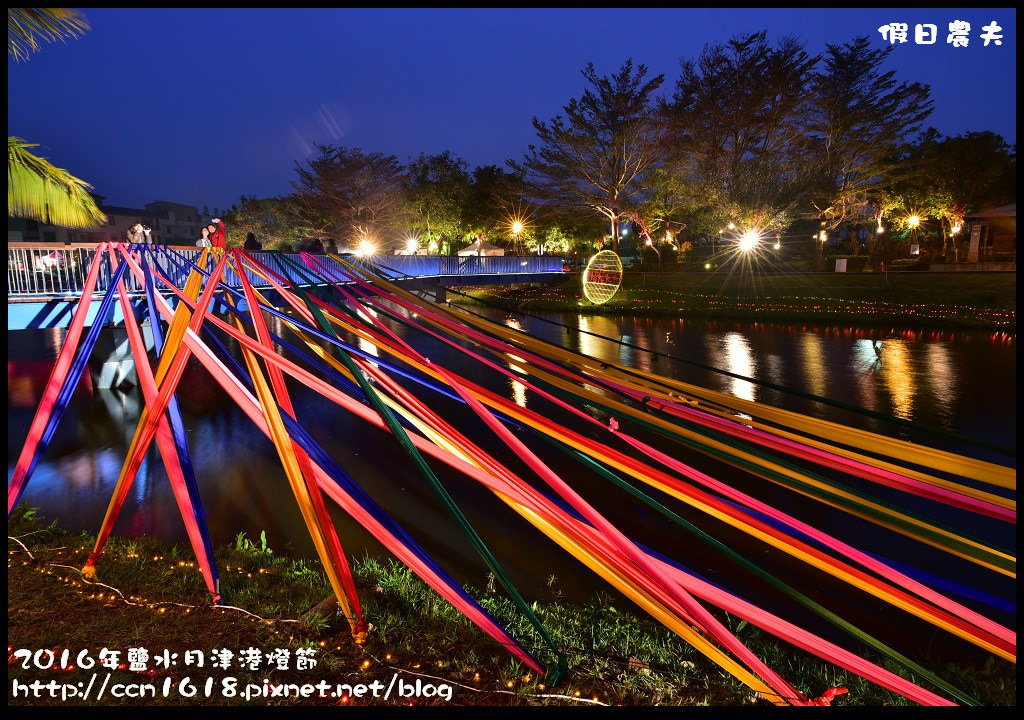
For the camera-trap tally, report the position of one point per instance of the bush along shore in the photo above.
(69, 638)
(934, 300)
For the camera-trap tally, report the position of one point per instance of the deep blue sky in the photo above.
(203, 105)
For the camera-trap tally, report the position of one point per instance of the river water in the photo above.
(963, 382)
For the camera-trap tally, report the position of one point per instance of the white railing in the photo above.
(38, 271)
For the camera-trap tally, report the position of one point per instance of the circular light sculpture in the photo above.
(602, 278)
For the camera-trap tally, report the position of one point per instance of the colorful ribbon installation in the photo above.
(637, 415)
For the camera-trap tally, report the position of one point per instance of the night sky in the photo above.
(201, 106)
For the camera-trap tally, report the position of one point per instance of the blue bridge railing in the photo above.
(58, 271)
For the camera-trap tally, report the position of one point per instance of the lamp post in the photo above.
(651, 245)
(517, 231)
(822, 238)
(914, 222)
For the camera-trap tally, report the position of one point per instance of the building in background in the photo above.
(172, 224)
(992, 234)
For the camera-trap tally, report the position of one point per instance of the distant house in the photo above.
(996, 234)
(172, 224)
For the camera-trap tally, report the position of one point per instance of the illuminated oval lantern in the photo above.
(603, 277)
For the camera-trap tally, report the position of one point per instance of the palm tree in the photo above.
(36, 189)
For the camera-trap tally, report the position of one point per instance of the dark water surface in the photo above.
(963, 382)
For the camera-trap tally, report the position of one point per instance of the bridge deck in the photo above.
(43, 282)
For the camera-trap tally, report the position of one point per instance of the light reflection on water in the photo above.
(815, 370)
(962, 382)
(737, 358)
(930, 377)
(942, 379)
(894, 359)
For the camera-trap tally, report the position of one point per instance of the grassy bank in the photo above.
(152, 596)
(948, 300)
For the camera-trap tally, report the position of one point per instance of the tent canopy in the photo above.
(481, 247)
(1004, 211)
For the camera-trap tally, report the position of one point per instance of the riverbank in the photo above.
(905, 299)
(150, 594)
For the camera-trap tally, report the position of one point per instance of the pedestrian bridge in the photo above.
(44, 281)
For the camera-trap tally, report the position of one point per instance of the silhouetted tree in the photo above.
(596, 155)
(737, 132)
(858, 117)
(351, 196)
(438, 191)
(273, 220)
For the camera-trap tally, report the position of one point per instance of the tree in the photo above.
(272, 220)
(736, 132)
(974, 171)
(595, 157)
(858, 117)
(947, 178)
(352, 196)
(36, 189)
(40, 191)
(486, 211)
(438, 190)
(27, 26)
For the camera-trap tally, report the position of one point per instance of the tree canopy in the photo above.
(595, 155)
(37, 189)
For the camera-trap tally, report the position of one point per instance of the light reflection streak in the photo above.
(518, 393)
(815, 372)
(941, 377)
(899, 377)
(866, 360)
(739, 360)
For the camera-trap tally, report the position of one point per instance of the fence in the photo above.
(34, 270)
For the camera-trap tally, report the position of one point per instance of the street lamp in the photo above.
(914, 222)
(748, 241)
(366, 248)
(517, 232)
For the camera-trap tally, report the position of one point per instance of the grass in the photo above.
(964, 300)
(153, 596)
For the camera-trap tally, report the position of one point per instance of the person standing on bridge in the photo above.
(217, 236)
(204, 240)
(138, 233)
(251, 243)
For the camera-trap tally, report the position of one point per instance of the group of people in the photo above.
(213, 235)
(317, 247)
